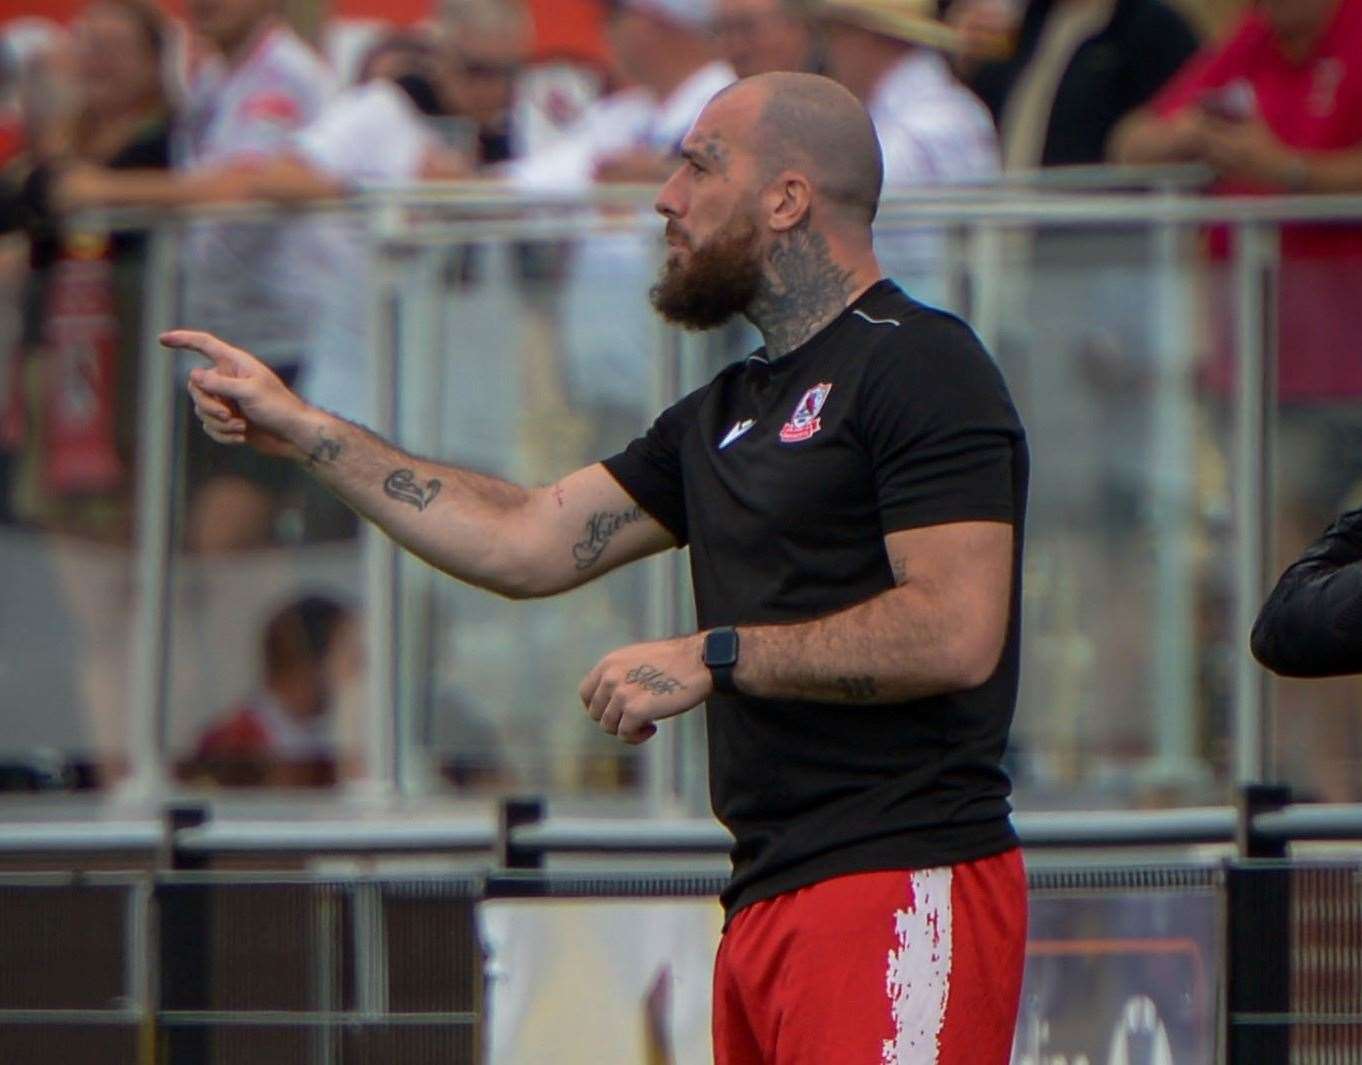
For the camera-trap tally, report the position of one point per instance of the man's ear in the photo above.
(787, 200)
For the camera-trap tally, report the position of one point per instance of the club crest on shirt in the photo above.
(804, 422)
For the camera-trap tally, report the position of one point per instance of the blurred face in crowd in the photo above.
(483, 61)
(856, 57)
(117, 62)
(230, 25)
(715, 243)
(757, 36)
(394, 59)
(634, 38)
(1298, 22)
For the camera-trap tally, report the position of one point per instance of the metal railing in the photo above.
(404, 225)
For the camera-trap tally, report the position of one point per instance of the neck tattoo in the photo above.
(803, 290)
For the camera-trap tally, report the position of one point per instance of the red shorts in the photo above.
(886, 968)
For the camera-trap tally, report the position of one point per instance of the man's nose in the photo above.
(669, 201)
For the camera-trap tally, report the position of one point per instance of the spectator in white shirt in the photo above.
(663, 51)
(932, 129)
(762, 36)
(258, 86)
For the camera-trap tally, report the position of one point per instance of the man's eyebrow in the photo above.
(711, 150)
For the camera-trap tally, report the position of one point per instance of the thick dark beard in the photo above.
(721, 279)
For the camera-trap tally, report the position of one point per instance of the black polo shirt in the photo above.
(784, 477)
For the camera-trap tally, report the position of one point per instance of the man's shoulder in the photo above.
(887, 304)
(897, 331)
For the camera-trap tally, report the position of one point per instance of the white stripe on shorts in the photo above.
(918, 976)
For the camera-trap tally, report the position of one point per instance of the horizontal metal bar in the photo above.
(304, 1019)
(575, 835)
(1294, 1020)
(467, 834)
(1311, 822)
(471, 835)
(1094, 828)
(60, 878)
(81, 1017)
(81, 836)
(1030, 199)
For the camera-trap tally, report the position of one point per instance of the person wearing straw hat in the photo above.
(892, 55)
(854, 496)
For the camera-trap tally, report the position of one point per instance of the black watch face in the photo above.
(721, 647)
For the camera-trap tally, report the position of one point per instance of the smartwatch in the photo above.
(721, 655)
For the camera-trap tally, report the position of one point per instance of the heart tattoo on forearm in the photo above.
(401, 485)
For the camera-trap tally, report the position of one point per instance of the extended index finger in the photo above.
(221, 354)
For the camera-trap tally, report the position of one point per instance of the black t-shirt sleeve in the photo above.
(649, 469)
(940, 429)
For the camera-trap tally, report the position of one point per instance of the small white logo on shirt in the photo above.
(738, 429)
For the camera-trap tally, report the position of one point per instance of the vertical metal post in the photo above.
(1255, 259)
(1172, 460)
(1258, 901)
(378, 552)
(417, 428)
(371, 951)
(139, 978)
(984, 271)
(185, 941)
(326, 996)
(511, 814)
(664, 754)
(147, 682)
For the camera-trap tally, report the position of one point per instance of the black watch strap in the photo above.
(720, 655)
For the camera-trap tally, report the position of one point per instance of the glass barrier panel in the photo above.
(544, 359)
(266, 659)
(1316, 727)
(1094, 329)
(70, 333)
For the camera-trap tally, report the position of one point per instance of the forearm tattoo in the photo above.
(402, 486)
(326, 451)
(899, 566)
(652, 679)
(600, 530)
(857, 689)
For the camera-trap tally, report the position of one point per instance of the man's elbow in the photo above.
(521, 574)
(974, 661)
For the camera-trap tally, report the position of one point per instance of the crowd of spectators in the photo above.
(127, 107)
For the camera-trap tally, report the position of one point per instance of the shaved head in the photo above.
(769, 211)
(810, 123)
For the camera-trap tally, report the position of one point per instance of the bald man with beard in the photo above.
(853, 494)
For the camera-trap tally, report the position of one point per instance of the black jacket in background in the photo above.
(1111, 74)
(1311, 624)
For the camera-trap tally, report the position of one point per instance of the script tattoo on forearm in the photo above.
(652, 679)
(326, 451)
(600, 530)
(857, 688)
(401, 485)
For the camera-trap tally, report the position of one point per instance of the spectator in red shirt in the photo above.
(1277, 108)
(281, 734)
